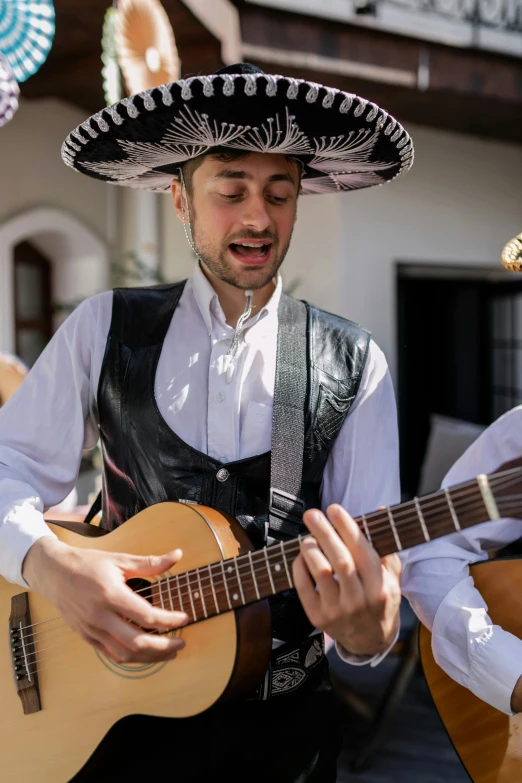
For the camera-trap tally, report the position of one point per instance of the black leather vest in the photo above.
(145, 462)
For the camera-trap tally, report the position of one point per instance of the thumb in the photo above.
(149, 565)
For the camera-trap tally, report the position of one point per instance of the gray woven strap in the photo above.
(288, 421)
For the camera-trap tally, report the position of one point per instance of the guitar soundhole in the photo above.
(143, 587)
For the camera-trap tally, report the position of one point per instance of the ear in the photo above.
(176, 191)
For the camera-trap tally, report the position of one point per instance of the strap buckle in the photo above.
(286, 506)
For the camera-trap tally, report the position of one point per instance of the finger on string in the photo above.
(131, 644)
(308, 595)
(320, 568)
(132, 638)
(364, 557)
(136, 608)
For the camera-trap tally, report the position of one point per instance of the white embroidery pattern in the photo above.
(344, 160)
(314, 654)
(292, 657)
(287, 679)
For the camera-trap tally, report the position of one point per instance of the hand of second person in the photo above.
(89, 589)
(346, 590)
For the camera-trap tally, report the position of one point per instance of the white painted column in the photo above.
(147, 233)
(139, 233)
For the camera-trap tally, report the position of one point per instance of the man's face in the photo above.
(242, 214)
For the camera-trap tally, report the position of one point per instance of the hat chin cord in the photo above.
(231, 355)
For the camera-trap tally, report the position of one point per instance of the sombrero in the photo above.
(343, 141)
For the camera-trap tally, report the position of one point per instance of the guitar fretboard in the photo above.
(230, 584)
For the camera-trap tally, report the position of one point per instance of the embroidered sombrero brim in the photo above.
(343, 141)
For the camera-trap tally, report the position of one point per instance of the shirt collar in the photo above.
(209, 306)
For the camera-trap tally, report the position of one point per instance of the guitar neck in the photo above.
(242, 580)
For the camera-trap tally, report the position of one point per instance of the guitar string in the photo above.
(499, 480)
(28, 640)
(411, 514)
(245, 566)
(206, 578)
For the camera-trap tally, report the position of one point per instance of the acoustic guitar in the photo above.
(488, 742)
(59, 696)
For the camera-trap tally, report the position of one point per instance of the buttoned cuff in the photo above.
(20, 529)
(364, 660)
(496, 666)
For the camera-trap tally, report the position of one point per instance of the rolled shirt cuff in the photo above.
(496, 666)
(21, 527)
(364, 660)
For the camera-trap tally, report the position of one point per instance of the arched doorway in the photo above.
(79, 267)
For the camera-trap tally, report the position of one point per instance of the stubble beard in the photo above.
(251, 278)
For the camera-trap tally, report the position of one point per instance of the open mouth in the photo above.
(251, 252)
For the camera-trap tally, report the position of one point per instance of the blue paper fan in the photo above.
(9, 92)
(26, 34)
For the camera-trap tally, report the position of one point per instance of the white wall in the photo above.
(460, 203)
(32, 172)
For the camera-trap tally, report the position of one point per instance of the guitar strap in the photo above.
(288, 421)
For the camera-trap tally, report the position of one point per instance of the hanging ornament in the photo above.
(111, 74)
(26, 34)
(511, 255)
(145, 44)
(9, 92)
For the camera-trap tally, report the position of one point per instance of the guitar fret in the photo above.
(170, 594)
(269, 573)
(203, 604)
(286, 565)
(421, 518)
(452, 509)
(487, 496)
(190, 596)
(394, 529)
(239, 581)
(179, 593)
(226, 585)
(366, 529)
(160, 591)
(213, 590)
(253, 575)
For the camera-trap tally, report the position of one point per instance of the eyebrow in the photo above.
(237, 174)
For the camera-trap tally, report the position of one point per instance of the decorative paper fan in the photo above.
(111, 70)
(512, 254)
(26, 34)
(145, 44)
(9, 92)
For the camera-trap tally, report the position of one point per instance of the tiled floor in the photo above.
(416, 748)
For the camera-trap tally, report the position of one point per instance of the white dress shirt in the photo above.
(53, 417)
(466, 644)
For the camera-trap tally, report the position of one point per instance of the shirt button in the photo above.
(222, 474)
(220, 397)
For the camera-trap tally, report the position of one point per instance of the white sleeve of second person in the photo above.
(43, 429)
(362, 471)
(466, 643)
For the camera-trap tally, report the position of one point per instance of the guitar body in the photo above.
(488, 742)
(83, 694)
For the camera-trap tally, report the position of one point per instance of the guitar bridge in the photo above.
(23, 659)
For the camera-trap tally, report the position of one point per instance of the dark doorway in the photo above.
(459, 351)
(33, 301)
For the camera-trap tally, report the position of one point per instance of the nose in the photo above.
(255, 214)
